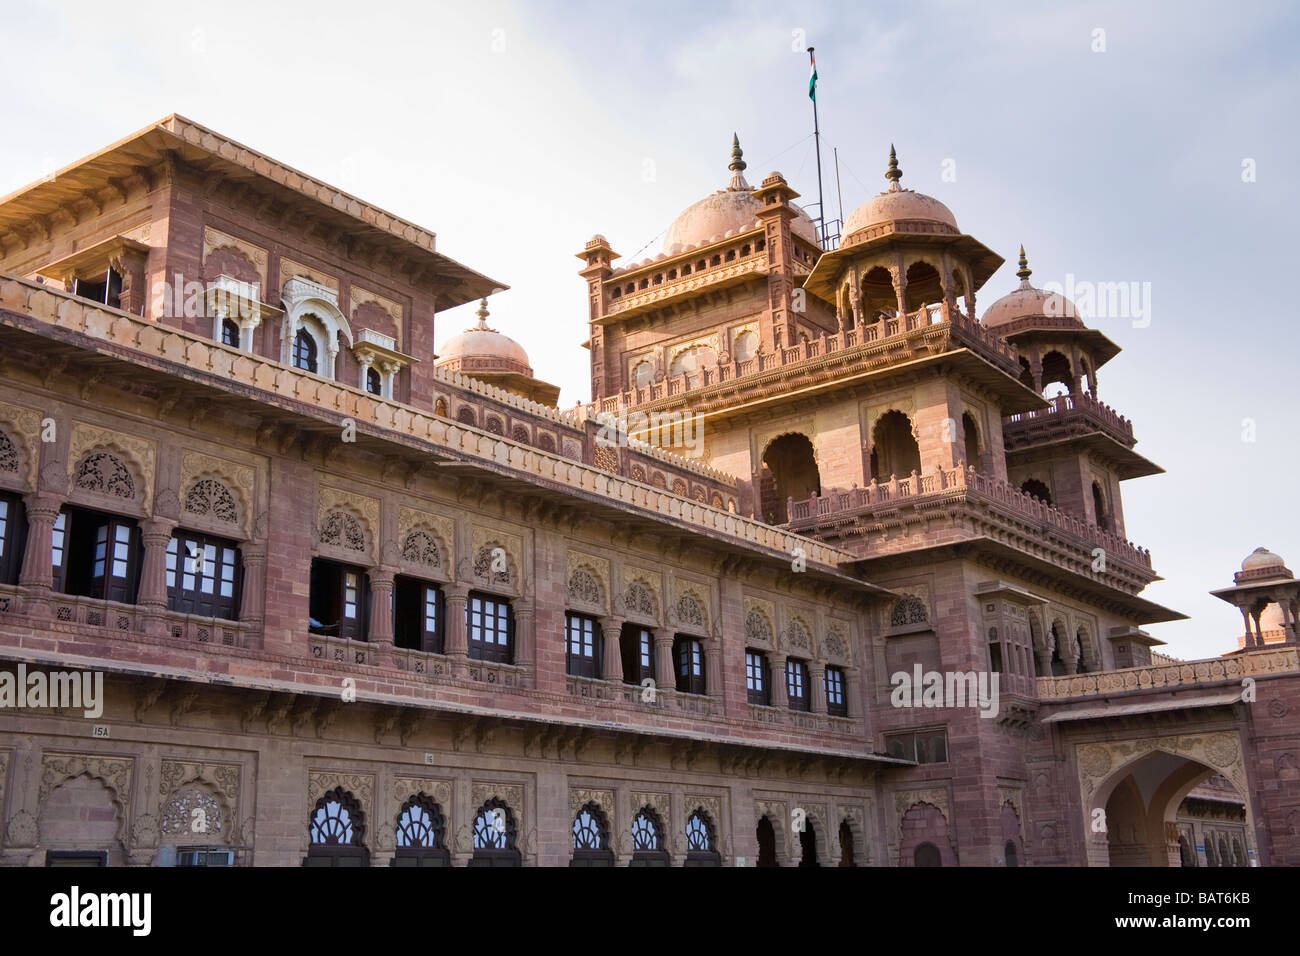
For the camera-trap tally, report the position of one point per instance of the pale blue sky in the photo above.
(515, 131)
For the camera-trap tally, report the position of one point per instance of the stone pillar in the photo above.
(525, 633)
(457, 644)
(664, 666)
(817, 692)
(612, 665)
(380, 630)
(900, 290)
(37, 574)
(852, 692)
(777, 677)
(156, 533)
(363, 366)
(252, 595)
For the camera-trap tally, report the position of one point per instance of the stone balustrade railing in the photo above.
(961, 482)
(754, 263)
(1160, 676)
(864, 338)
(1066, 408)
(229, 366)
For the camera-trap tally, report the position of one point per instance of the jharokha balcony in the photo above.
(928, 331)
(890, 518)
(1066, 417)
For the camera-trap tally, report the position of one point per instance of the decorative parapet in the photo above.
(1025, 428)
(1179, 674)
(958, 483)
(231, 367)
(753, 264)
(934, 327)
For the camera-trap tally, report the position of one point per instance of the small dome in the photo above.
(731, 210)
(481, 349)
(1028, 302)
(1262, 558)
(896, 204)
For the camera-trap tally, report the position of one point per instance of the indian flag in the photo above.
(812, 77)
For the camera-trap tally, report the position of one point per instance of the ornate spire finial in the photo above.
(737, 164)
(1024, 272)
(482, 317)
(893, 174)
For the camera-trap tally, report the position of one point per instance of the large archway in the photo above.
(789, 470)
(1166, 808)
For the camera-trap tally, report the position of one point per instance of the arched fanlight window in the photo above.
(591, 838)
(701, 843)
(927, 854)
(337, 831)
(647, 839)
(304, 351)
(421, 834)
(494, 835)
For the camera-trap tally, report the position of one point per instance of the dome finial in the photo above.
(737, 166)
(1024, 272)
(482, 316)
(893, 174)
(738, 163)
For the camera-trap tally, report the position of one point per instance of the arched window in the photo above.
(894, 450)
(746, 346)
(1099, 507)
(494, 836)
(1038, 490)
(808, 844)
(229, 333)
(304, 351)
(374, 384)
(927, 854)
(337, 830)
(692, 361)
(846, 844)
(1010, 853)
(766, 843)
(13, 533)
(421, 834)
(701, 841)
(789, 471)
(440, 408)
(643, 375)
(972, 441)
(1057, 378)
(591, 838)
(647, 839)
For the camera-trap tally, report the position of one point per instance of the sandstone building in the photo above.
(360, 603)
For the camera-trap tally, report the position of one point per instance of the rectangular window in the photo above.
(208, 572)
(582, 645)
(756, 678)
(105, 289)
(96, 555)
(418, 615)
(489, 626)
(204, 856)
(12, 536)
(636, 644)
(923, 746)
(796, 684)
(689, 654)
(339, 600)
(837, 704)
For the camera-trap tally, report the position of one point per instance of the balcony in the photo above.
(1066, 417)
(1160, 677)
(928, 331)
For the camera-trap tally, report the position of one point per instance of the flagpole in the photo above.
(817, 138)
